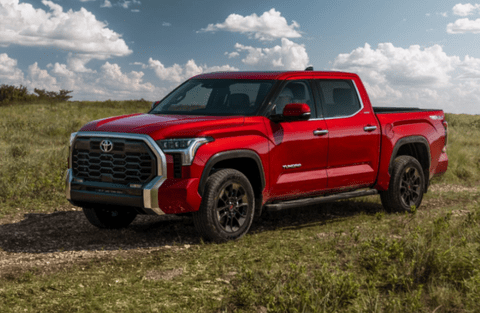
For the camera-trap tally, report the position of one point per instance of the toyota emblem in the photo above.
(106, 146)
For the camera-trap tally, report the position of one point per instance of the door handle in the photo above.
(320, 132)
(369, 128)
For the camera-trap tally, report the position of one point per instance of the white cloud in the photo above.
(77, 31)
(465, 9)
(106, 4)
(232, 54)
(77, 62)
(177, 73)
(464, 25)
(270, 25)
(112, 77)
(9, 72)
(41, 78)
(86, 0)
(426, 78)
(126, 3)
(288, 56)
(166, 24)
(108, 83)
(135, 10)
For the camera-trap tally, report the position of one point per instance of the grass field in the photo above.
(348, 256)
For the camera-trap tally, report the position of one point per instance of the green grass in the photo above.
(463, 149)
(349, 256)
(364, 261)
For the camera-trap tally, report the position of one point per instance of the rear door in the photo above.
(354, 135)
(299, 155)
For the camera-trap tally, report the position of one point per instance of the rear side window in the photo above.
(338, 98)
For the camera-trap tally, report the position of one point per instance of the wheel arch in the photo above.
(246, 161)
(416, 147)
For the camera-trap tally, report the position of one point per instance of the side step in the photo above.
(309, 201)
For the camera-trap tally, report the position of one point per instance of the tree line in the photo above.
(14, 94)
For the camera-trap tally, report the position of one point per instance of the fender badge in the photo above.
(292, 166)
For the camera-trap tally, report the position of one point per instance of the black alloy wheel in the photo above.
(232, 207)
(407, 185)
(410, 186)
(227, 208)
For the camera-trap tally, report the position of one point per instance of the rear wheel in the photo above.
(110, 217)
(407, 185)
(227, 208)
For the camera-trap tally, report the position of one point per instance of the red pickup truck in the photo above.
(225, 146)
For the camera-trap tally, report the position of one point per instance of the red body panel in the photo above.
(296, 163)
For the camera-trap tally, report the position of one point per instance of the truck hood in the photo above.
(163, 126)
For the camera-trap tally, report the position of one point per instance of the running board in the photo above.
(310, 201)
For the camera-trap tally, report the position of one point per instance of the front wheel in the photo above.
(227, 208)
(407, 185)
(110, 217)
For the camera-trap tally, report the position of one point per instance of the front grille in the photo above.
(130, 161)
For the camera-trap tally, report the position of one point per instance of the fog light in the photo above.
(135, 186)
(78, 180)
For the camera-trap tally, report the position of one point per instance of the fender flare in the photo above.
(407, 140)
(226, 155)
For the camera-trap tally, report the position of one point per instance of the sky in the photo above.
(408, 53)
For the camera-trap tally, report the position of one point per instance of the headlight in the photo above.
(72, 137)
(187, 147)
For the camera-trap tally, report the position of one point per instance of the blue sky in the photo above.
(410, 53)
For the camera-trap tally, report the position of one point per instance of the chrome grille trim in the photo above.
(150, 191)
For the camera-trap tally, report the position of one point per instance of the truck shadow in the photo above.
(70, 231)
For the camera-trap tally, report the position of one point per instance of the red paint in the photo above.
(347, 157)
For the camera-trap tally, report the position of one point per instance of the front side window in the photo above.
(295, 92)
(338, 98)
(215, 97)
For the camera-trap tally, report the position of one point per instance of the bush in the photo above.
(13, 94)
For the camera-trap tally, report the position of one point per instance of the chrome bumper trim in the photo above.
(150, 191)
(68, 183)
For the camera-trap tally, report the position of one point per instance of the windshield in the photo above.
(216, 97)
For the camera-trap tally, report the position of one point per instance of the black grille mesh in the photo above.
(130, 161)
(177, 165)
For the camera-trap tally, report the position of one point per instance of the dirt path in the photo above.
(51, 241)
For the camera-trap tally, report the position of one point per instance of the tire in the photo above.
(110, 218)
(227, 208)
(407, 185)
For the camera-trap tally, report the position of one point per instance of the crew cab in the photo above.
(225, 146)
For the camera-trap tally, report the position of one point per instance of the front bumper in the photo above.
(97, 193)
(80, 192)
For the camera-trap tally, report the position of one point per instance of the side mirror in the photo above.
(296, 112)
(154, 104)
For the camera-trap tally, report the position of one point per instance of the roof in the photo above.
(273, 75)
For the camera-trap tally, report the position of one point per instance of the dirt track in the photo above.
(66, 237)
(55, 240)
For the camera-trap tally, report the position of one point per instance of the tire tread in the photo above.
(204, 219)
(390, 198)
